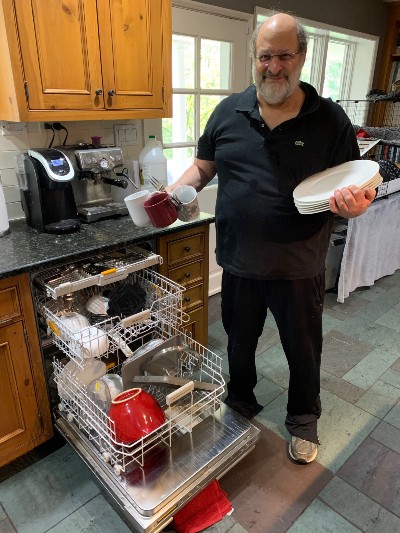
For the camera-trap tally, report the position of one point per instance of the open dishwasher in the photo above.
(151, 478)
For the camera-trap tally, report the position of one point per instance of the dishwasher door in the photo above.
(148, 497)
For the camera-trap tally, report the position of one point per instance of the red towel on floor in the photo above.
(204, 510)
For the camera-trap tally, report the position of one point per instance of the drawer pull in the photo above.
(187, 275)
(187, 299)
(187, 248)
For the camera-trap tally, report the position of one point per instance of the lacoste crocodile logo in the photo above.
(299, 143)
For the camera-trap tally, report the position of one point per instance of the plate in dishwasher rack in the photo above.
(134, 366)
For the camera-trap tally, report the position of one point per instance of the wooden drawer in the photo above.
(192, 297)
(188, 274)
(185, 255)
(9, 304)
(186, 249)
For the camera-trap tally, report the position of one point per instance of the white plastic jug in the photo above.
(152, 162)
(4, 225)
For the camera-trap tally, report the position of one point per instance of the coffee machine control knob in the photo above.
(104, 163)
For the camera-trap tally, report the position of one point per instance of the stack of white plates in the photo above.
(312, 195)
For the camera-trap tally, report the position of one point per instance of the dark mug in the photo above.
(160, 209)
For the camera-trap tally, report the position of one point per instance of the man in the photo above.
(263, 143)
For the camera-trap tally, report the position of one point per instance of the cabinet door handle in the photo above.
(187, 299)
(187, 275)
(187, 248)
(111, 92)
(99, 92)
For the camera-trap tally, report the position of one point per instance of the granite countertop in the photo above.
(25, 249)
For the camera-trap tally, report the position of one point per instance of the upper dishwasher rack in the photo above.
(99, 270)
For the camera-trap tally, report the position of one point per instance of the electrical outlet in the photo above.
(125, 134)
(13, 128)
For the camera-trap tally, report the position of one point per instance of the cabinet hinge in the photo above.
(26, 90)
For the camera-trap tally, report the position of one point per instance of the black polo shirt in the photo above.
(260, 233)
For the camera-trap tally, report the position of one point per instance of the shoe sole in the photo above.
(300, 460)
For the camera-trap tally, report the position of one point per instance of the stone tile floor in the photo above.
(353, 486)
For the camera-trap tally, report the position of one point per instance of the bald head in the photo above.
(282, 26)
(280, 23)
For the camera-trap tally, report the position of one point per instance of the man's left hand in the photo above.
(351, 201)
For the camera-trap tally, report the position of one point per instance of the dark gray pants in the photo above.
(297, 308)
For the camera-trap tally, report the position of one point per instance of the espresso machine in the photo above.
(97, 172)
(47, 196)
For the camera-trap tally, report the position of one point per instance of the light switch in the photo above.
(125, 134)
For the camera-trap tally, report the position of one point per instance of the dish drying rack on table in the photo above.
(54, 291)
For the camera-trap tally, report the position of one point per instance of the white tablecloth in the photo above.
(372, 248)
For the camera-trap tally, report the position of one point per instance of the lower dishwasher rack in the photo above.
(189, 410)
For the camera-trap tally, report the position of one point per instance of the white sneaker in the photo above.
(302, 451)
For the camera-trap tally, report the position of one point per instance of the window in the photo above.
(209, 62)
(339, 63)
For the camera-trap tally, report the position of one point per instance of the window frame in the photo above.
(154, 126)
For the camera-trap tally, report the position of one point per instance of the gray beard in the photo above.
(273, 94)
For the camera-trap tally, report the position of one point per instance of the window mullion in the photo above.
(348, 65)
(319, 63)
(197, 87)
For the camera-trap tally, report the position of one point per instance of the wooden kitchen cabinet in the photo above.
(85, 60)
(25, 420)
(185, 261)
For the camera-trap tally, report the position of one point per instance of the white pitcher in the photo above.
(4, 225)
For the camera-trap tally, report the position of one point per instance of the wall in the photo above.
(366, 16)
(37, 136)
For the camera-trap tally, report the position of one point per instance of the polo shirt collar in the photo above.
(247, 102)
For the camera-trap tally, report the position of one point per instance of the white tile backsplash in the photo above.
(8, 177)
(39, 137)
(11, 194)
(7, 158)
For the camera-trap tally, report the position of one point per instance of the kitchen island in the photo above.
(25, 251)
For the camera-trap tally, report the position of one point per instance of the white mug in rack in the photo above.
(72, 323)
(99, 393)
(97, 305)
(114, 383)
(90, 342)
(92, 369)
(65, 383)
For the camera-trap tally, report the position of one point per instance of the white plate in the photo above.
(322, 185)
(375, 182)
(318, 207)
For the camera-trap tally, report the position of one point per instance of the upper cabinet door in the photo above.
(135, 53)
(61, 57)
(85, 59)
